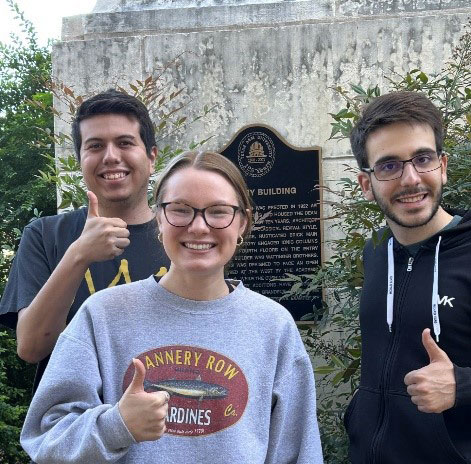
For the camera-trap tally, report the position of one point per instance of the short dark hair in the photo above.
(114, 102)
(409, 107)
(209, 161)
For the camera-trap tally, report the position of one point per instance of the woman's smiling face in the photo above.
(197, 248)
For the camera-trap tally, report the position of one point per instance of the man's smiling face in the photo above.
(114, 162)
(413, 199)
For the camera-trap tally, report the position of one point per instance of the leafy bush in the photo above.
(15, 396)
(23, 69)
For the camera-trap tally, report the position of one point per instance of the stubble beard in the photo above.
(133, 200)
(391, 216)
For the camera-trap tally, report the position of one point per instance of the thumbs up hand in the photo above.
(102, 238)
(433, 387)
(143, 413)
(92, 205)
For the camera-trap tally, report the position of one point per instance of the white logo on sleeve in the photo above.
(446, 300)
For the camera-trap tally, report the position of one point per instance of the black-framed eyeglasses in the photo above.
(393, 169)
(215, 216)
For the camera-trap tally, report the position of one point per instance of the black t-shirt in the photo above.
(44, 243)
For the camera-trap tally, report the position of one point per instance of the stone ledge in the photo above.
(113, 6)
(233, 17)
(191, 19)
(342, 7)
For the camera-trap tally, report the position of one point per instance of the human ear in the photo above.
(243, 222)
(444, 160)
(364, 179)
(158, 217)
(152, 157)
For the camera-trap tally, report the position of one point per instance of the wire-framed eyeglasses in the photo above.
(215, 216)
(393, 169)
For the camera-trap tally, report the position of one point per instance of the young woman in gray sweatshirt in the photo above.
(188, 368)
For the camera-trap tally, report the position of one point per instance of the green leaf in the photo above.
(423, 77)
(358, 89)
(324, 369)
(337, 378)
(355, 352)
(337, 361)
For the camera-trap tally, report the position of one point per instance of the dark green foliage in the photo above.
(336, 337)
(23, 69)
(15, 396)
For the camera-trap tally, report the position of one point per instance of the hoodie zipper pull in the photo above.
(409, 264)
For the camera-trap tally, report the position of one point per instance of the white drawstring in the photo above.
(390, 307)
(390, 291)
(435, 316)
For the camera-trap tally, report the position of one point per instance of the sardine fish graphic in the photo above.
(193, 389)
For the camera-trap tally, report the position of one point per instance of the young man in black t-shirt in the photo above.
(63, 259)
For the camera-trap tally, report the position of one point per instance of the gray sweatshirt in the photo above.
(240, 382)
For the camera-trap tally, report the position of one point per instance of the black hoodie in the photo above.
(383, 424)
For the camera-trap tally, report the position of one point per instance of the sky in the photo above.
(46, 16)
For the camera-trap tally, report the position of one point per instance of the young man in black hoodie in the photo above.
(414, 401)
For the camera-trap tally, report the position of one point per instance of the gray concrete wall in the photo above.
(262, 62)
(341, 7)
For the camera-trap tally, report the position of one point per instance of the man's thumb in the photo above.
(435, 353)
(92, 205)
(137, 382)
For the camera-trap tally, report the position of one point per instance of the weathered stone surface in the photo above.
(281, 76)
(106, 6)
(342, 7)
(260, 62)
(94, 65)
(118, 17)
(376, 7)
(122, 18)
(190, 18)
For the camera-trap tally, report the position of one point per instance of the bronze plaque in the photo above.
(287, 235)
